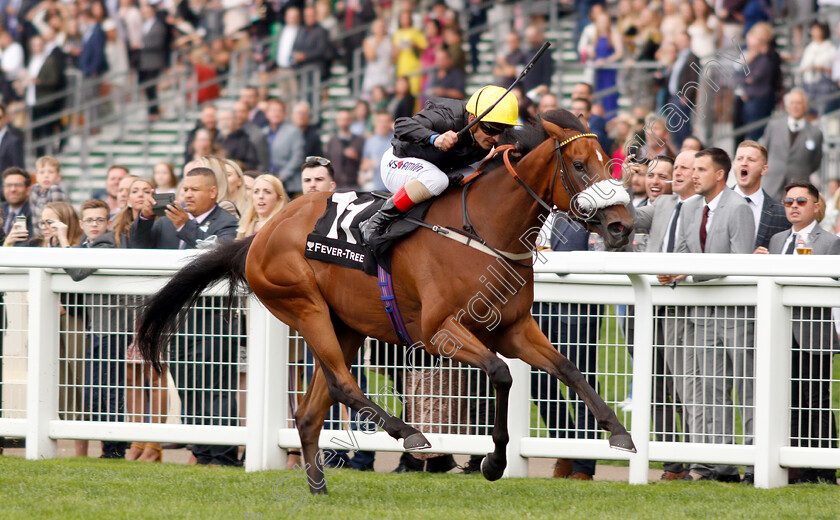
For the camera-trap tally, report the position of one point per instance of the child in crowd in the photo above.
(48, 189)
(107, 322)
(164, 179)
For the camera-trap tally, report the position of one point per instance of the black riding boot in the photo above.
(379, 222)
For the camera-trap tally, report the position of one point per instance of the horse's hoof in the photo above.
(416, 441)
(623, 442)
(490, 471)
(318, 491)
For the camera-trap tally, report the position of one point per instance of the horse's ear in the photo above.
(552, 129)
(584, 122)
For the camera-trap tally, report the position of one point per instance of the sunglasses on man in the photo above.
(801, 201)
(491, 129)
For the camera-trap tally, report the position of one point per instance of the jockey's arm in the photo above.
(425, 124)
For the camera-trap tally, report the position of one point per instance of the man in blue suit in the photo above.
(573, 329)
(92, 59)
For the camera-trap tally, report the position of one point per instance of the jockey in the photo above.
(425, 149)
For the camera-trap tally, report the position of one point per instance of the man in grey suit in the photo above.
(717, 351)
(750, 167)
(662, 219)
(285, 147)
(815, 342)
(794, 145)
(152, 58)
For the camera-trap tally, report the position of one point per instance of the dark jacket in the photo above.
(312, 141)
(161, 233)
(26, 211)
(314, 43)
(92, 60)
(238, 146)
(411, 135)
(11, 149)
(105, 240)
(772, 221)
(51, 80)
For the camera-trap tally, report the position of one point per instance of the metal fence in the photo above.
(734, 371)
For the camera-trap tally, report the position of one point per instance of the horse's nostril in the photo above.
(616, 228)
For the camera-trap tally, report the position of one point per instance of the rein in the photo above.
(469, 234)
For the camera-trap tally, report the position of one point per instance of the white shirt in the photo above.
(756, 203)
(674, 81)
(35, 64)
(12, 61)
(713, 204)
(671, 220)
(284, 47)
(804, 231)
(796, 125)
(147, 25)
(816, 55)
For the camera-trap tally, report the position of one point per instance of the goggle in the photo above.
(492, 128)
(315, 159)
(788, 202)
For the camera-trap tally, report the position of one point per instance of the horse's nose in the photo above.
(618, 230)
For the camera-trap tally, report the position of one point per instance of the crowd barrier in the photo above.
(588, 303)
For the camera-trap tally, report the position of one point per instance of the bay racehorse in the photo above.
(334, 307)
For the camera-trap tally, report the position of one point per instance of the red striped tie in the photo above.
(703, 228)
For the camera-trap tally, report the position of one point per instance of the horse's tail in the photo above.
(160, 314)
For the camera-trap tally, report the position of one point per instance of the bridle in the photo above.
(559, 167)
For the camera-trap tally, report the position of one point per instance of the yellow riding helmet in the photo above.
(505, 113)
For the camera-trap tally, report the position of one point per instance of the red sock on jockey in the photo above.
(402, 201)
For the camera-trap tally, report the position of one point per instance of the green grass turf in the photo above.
(92, 489)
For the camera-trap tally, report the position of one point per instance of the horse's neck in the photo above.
(503, 212)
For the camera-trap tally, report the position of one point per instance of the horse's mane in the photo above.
(532, 134)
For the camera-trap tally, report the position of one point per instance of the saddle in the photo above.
(336, 238)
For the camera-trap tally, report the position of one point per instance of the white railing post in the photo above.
(772, 383)
(642, 379)
(42, 367)
(519, 417)
(268, 388)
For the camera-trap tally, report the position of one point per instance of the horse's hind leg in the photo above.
(309, 419)
(319, 332)
(528, 343)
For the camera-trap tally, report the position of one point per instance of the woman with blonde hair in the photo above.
(267, 198)
(137, 373)
(137, 191)
(236, 185)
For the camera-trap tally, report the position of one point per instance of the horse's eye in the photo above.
(578, 165)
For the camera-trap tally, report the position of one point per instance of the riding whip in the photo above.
(525, 71)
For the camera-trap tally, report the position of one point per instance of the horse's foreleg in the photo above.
(528, 343)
